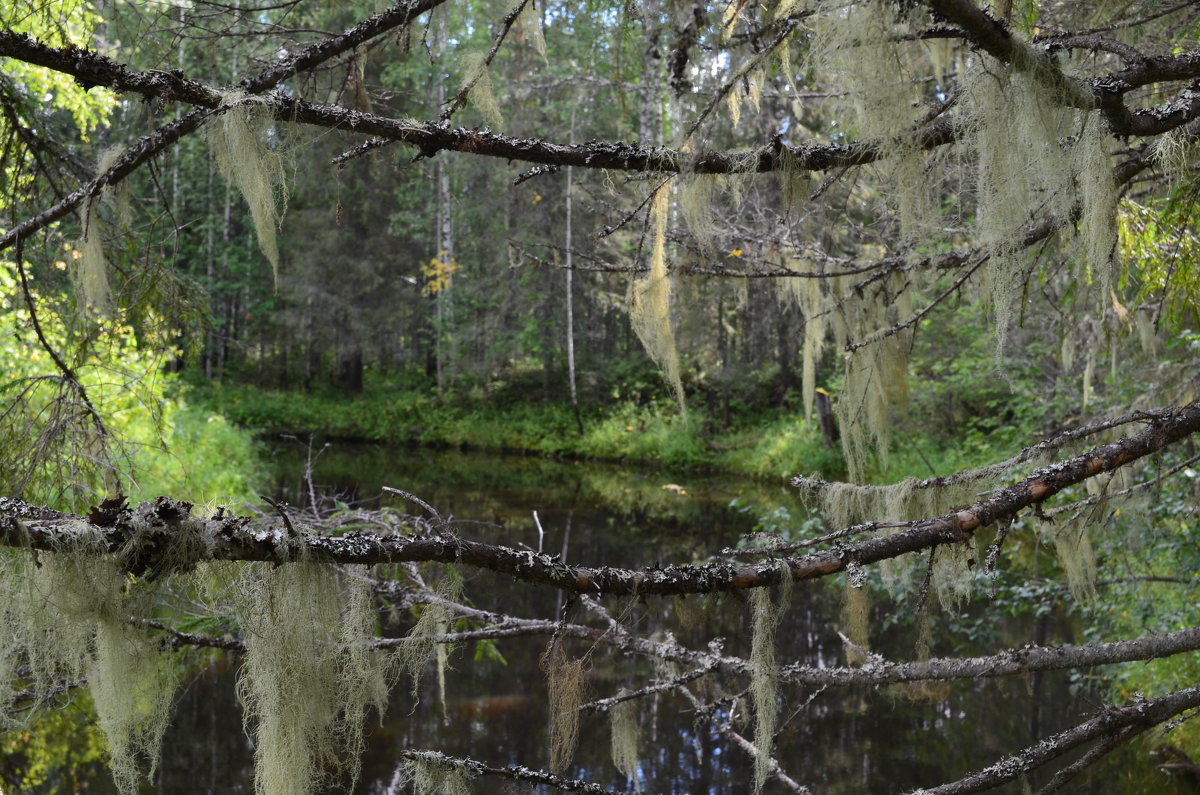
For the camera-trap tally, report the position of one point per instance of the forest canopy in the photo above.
(891, 226)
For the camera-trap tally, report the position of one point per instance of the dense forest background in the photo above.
(927, 261)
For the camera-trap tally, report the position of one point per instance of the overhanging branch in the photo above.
(151, 526)
(164, 85)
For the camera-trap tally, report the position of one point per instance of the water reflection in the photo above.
(856, 740)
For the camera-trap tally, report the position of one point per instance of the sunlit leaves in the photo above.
(1159, 244)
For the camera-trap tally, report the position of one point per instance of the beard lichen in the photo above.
(764, 682)
(132, 685)
(651, 305)
(238, 142)
(66, 619)
(477, 79)
(862, 45)
(876, 376)
(421, 641)
(567, 683)
(954, 573)
(90, 273)
(307, 676)
(432, 773)
(695, 203)
(91, 270)
(1073, 546)
(1175, 151)
(1098, 189)
(622, 718)
(1038, 157)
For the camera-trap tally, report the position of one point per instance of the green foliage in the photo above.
(157, 443)
(57, 25)
(59, 750)
(770, 445)
(1159, 239)
(1159, 537)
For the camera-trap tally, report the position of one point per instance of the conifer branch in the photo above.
(165, 85)
(1106, 92)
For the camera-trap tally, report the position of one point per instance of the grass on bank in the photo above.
(774, 442)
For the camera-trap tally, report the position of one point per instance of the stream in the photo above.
(840, 740)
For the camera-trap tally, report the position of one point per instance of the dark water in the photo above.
(862, 740)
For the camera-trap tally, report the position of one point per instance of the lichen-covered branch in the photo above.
(432, 137)
(1108, 723)
(88, 67)
(474, 769)
(238, 538)
(1106, 92)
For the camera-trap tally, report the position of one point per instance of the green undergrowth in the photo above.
(770, 444)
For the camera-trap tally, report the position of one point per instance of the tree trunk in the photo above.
(571, 306)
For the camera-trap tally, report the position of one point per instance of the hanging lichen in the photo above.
(861, 44)
(651, 306)
(66, 618)
(1089, 372)
(1175, 151)
(794, 181)
(305, 676)
(1073, 545)
(132, 685)
(366, 673)
(1098, 189)
(530, 23)
(764, 681)
(623, 725)
(815, 309)
(857, 44)
(953, 573)
(421, 641)
(695, 202)
(846, 504)
(432, 773)
(238, 141)
(478, 80)
(1038, 158)
(90, 273)
(876, 380)
(566, 683)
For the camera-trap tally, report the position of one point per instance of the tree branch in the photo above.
(235, 538)
(1106, 93)
(91, 65)
(1111, 722)
(431, 137)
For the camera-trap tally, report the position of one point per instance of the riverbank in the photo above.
(767, 442)
(771, 444)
